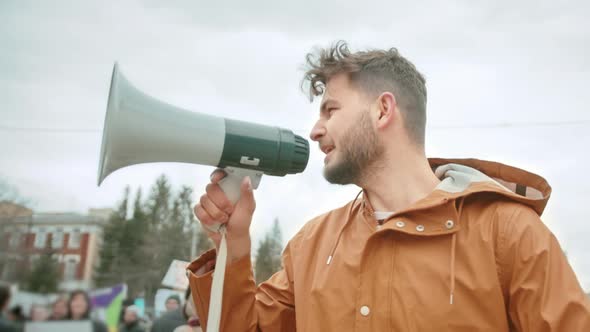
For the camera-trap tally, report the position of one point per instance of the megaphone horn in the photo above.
(141, 129)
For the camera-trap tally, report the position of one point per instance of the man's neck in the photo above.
(394, 184)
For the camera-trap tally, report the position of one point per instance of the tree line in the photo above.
(143, 236)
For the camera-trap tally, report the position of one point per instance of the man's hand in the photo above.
(215, 208)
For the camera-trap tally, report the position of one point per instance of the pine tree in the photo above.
(276, 245)
(158, 205)
(263, 266)
(110, 260)
(139, 250)
(44, 275)
(175, 232)
(268, 255)
(203, 241)
(163, 239)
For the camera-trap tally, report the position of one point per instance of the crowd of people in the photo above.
(76, 306)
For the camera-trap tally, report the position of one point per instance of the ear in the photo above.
(387, 109)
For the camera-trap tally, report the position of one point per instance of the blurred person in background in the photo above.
(172, 318)
(16, 316)
(193, 324)
(125, 304)
(173, 302)
(131, 321)
(38, 313)
(59, 308)
(79, 308)
(5, 324)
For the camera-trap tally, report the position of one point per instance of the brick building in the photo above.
(72, 239)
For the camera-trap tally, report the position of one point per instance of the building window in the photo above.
(70, 267)
(58, 238)
(15, 239)
(40, 238)
(74, 241)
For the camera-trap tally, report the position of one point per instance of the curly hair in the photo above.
(373, 72)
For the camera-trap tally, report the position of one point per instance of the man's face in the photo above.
(171, 304)
(345, 132)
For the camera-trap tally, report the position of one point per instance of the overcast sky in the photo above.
(507, 81)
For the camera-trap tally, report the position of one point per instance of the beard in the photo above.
(359, 148)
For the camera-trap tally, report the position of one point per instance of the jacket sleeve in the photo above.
(245, 307)
(542, 289)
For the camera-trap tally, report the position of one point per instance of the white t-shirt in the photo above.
(382, 215)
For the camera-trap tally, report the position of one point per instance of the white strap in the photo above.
(214, 318)
(230, 185)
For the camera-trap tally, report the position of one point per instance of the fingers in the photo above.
(247, 201)
(216, 214)
(208, 221)
(217, 175)
(219, 198)
(214, 208)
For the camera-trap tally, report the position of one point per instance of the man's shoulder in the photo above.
(506, 218)
(501, 209)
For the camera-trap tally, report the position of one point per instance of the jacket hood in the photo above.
(463, 177)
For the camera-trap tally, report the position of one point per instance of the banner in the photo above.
(108, 303)
(175, 277)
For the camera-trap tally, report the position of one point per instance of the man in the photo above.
(5, 324)
(131, 321)
(172, 302)
(192, 320)
(172, 318)
(430, 245)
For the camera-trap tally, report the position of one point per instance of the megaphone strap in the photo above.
(215, 302)
(230, 185)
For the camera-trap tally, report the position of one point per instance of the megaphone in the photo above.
(141, 129)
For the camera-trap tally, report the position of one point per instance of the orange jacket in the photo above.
(472, 256)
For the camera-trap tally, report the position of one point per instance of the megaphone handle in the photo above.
(231, 187)
(231, 183)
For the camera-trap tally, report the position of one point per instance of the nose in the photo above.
(317, 131)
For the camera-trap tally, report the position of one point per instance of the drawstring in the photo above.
(453, 246)
(453, 252)
(342, 230)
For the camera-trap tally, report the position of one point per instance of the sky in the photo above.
(506, 82)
